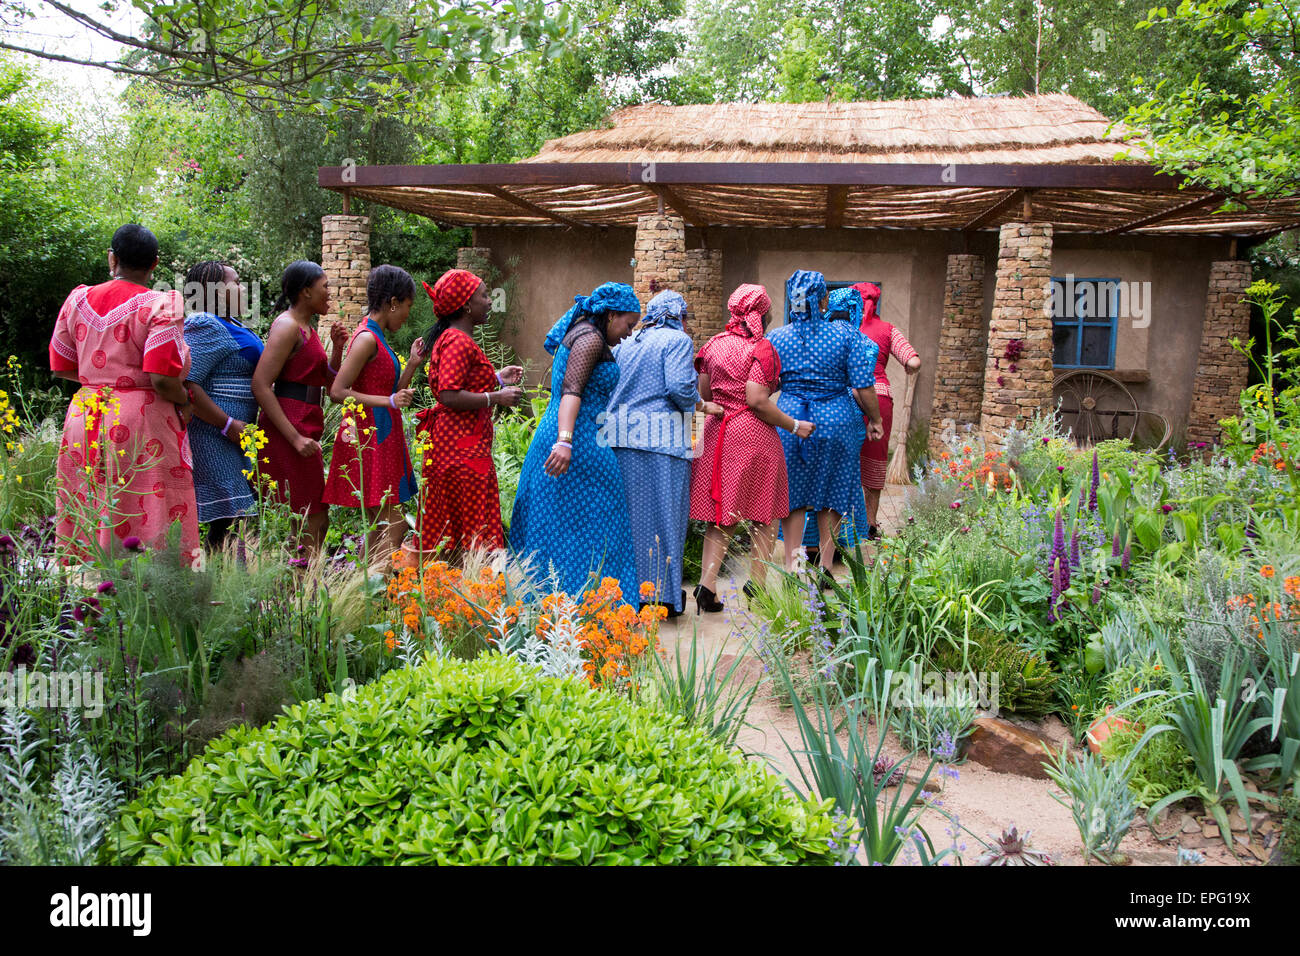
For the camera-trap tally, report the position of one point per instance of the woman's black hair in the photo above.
(442, 324)
(135, 246)
(298, 275)
(838, 315)
(201, 284)
(388, 284)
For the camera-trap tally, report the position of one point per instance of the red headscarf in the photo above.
(747, 305)
(452, 290)
(870, 293)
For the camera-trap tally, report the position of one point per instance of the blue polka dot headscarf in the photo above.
(610, 297)
(803, 296)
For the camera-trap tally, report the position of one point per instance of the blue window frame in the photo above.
(1084, 314)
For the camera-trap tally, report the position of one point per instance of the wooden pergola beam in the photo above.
(992, 212)
(1164, 214)
(532, 207)
(974, 175)
(678, 205)
(837, 198)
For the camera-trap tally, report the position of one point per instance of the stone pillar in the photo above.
(1221, 371)
(963, 343)
(345, 257)
(704, 293)
(475, 259)
(1018, 386)
(660, 253)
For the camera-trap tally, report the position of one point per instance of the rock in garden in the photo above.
(1190, 825)
(1005, 748)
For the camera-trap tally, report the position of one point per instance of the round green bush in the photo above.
(478, 762)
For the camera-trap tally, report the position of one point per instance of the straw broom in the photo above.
(897, 473)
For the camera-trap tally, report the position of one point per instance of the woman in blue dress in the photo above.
(648, 424)
(223, 356)
(570, 513)
(845, 305)
(827, 375)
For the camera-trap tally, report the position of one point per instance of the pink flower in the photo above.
(132, 543)
(955, 505)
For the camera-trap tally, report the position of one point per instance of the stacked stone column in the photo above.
(345, 257)
(1221, 371)
(704, 293)
(475, 259)
(660, 253)
(963, 343)
(1017, 388)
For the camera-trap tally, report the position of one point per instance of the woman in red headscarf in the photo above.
(740, 472)
(462, 503)
(890, 341)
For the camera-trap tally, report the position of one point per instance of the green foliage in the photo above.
(483, 762)
(1289, 842)
(1026, 683)
(703, 691)
(1163, 766)
(1099, 799)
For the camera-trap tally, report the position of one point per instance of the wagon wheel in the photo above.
(1095, 406)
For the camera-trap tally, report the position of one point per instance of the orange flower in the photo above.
(1267, 570)
(1292, 586)
(647, 589)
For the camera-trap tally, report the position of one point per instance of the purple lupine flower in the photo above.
(1076, 561)
(1128, 556)
(1115, 547)
(1096, 594)
(1083, 499)
(1096, 482)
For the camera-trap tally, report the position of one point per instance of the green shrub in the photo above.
(479, 762)
(1289, 842)
(1026, 683)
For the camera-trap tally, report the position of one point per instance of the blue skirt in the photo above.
(659, 505)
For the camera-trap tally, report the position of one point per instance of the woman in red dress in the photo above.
(740, 473)
(874, 460)
(370, 466)
(124, 466)
(462, 503)
(288, 383)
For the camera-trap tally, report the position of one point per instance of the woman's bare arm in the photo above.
(281, 342)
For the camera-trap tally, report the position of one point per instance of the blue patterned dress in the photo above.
(648, 425)
(222, 361)
(820, 362)
(575, 526)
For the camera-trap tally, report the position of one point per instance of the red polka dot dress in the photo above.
(370, 464)
(462, 502)
(124, 468)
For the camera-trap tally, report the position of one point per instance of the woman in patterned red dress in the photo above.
(462, 503)
(874, 460)
(740, 473)
(370, 466)
(288, 384)
(124, 467)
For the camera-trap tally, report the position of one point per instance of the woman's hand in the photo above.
(804, 429)
(307, 447)
(712, 408)
(418, 354)
(876, 430)
(185, 413)
(235, 430)
(338, 335)
(557, 463)
(510, 396)
(511, 374)
(403, 397)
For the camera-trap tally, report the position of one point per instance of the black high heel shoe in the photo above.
(751, 590)
(706, 602)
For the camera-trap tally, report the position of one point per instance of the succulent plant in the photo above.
(887, 772)
(1012, 849)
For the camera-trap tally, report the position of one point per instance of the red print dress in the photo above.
(462, 502)
(740, 473)
(874, 457)
(298, 481)
(370, 464)
(124, 466)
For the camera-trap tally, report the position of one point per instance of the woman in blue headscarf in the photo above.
(648, 424)
(826, 367)
(570, 513)
(845, 305)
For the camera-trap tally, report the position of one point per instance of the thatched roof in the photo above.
(1050, 128)
(962, 164)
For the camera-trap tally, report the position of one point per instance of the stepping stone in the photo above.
(1005, 748)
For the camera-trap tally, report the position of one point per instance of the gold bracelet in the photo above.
(566, 436)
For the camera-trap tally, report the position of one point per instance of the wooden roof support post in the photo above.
(1028, 210)
(837, 197)
(347, 202)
